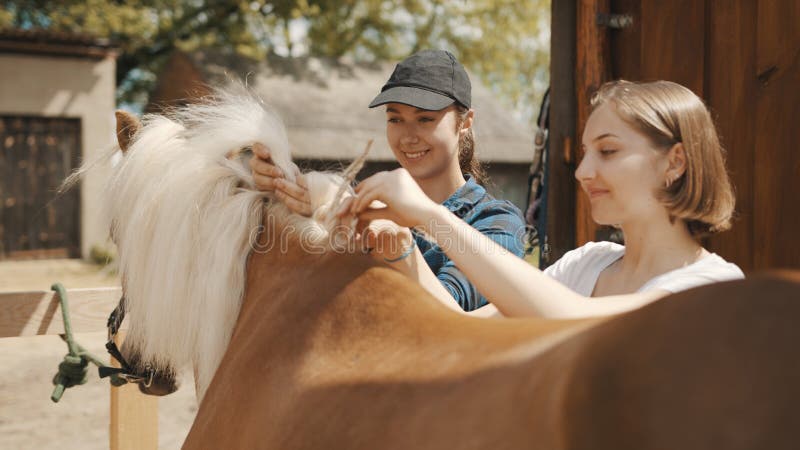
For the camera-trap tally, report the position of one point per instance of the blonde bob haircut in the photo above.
(667, 114)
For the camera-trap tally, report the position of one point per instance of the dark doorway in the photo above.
(36, 154)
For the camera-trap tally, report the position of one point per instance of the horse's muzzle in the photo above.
(159, 384)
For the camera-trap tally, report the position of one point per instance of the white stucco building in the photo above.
(56, 110)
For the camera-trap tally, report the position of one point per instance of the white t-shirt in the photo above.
(579, 269)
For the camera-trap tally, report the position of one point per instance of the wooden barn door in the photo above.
(36, 154)
(772, 117)
(743, 58)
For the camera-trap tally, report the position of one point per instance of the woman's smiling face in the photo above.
(620, 170)
(424, 142)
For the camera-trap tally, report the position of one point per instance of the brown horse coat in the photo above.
(335, 352)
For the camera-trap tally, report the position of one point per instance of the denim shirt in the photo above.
(499, 220)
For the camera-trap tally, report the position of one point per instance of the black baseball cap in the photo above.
(428, 79)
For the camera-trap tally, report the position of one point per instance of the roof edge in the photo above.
(50, 43)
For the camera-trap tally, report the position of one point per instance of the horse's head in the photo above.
(185, 216)
(156, 380)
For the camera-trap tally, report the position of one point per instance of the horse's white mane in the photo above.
(184, 217)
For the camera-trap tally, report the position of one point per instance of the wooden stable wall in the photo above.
(742, 57)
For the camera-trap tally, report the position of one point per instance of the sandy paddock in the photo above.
(80, 421)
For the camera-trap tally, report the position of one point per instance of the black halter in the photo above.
(125, 371)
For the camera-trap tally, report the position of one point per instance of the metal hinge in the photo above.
(615, 21)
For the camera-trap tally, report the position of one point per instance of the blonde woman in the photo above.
(652, 165)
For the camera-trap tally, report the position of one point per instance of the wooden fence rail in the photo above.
(133, 416)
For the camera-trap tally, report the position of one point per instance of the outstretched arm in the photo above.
(514, 287)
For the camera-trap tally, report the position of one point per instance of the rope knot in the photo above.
(72, 371)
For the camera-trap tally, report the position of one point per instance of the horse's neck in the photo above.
(292, 274)
(291, 279)
(293, 293)
(294, 289)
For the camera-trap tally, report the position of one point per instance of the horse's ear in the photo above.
(127, 127)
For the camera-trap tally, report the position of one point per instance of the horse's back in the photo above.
(713, 367)
(709, 368)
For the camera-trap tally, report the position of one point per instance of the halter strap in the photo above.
(125, 371)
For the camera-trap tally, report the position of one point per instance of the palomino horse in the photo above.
(297, 345)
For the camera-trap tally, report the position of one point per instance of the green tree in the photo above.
(504, 42)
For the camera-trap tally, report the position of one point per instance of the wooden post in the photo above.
(134, 416)
(591, 70)
(560, 185)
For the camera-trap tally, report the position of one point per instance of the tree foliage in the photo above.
(504, 42)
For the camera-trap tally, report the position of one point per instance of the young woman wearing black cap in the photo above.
(429, 129)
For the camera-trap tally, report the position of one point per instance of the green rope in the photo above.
(73, 370)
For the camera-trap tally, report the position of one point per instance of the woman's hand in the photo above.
(268, 177)
(406, 204)
(386, 240)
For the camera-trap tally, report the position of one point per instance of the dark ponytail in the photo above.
(466, 150)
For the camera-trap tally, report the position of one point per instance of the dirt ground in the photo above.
(80, 421)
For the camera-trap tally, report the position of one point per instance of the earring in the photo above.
(668, 182)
